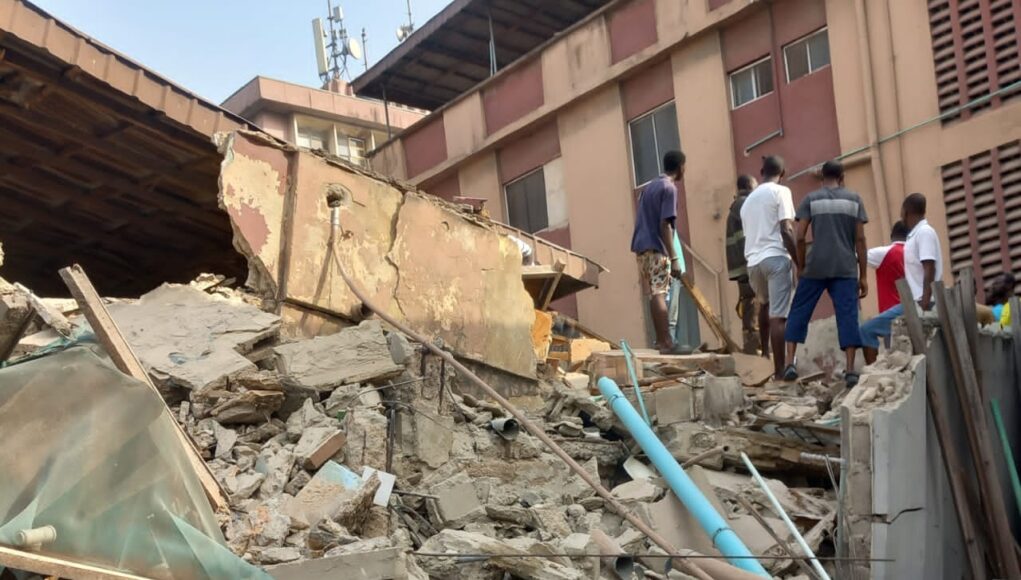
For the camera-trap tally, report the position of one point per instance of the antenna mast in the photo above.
(333, 63)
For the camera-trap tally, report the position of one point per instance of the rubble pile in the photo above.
(360, 450)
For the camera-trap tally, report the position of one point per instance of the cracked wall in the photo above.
(445, 273)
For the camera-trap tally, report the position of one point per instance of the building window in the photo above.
(351, 149)
(526, 202)
(751, 82)
(310, 138)
(652, 135)
(805, 56)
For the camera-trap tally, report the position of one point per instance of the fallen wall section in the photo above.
(445, 273)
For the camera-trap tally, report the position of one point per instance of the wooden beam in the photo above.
(124, 358)
(977, 427)
(956, 475)
(710, 317)
(548, 297)
(59, 567)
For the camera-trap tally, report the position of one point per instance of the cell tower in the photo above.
(334, 47)
(405, 30)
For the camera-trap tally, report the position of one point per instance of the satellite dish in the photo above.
(403, 32)
(354, 48)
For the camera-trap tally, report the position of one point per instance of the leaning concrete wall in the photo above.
(899, 504)
(445, 273)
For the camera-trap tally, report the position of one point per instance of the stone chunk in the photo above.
(279, 555)
(460, 542)
(674, 405)
(722, 397)
(457, 501)
(641, 490)
(366, 438)
(434, 437)
(323, 363)
(187, 338)
(381, 564)
(317, 445)
(249, 407)
(334, 492)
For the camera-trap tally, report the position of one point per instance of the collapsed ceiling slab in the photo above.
(103, 163)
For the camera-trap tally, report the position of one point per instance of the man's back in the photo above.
(767, 205)
(657, 203)
(835, 213)
(889, 264)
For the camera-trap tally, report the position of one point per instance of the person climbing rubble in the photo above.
(737, 268)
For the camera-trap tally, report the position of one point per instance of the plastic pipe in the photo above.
(783, 515)
(628, 358)
(34, 538)
(1008, 453)
(724, 538)
(614, 558)
(507, 428)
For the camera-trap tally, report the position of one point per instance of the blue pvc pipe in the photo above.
(724, 538)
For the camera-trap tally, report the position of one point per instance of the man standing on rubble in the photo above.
(923, 265)
(836, 265)
(652, 243)
(737, 268)
(767, 216)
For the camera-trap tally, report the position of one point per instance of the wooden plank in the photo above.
(59, 567)
(50, 316)
(124, 358)
(914, 322)
(548, 297)
(707, 312)
(966, 282)
(956, 475)
(972, 408)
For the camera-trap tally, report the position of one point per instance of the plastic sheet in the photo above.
(92, 452)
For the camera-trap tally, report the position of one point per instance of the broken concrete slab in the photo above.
(189, 339)
(386, 485)
(457, 501)
(612, 364)
(15, 314)
(722, 397)
(334, 492)
(278, 555)
(460, 542)
(382, 564)
(447, 272)
(247, 408)
(641, 490)
(366, 443)
(317, 445)
(353, 355)
(754, 370)
(434, 437)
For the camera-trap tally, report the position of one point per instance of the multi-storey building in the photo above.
(570, 118)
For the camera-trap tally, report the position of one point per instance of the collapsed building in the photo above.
(278, 423)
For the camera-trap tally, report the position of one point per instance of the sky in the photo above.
(213, 47)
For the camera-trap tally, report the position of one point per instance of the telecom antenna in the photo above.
(334, 48)
(405, 30)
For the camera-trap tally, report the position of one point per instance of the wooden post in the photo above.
(59, 567)
(973, 546)
(91, 305)
(553, 284)
(977, 426)
(710, 317)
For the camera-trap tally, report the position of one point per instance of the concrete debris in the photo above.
(343, 454)
(353, 355)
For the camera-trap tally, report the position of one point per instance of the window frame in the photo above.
(755, 82)
(506, 200)
(808, 53)
(655, 140)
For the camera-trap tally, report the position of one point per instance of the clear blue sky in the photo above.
(213, 47)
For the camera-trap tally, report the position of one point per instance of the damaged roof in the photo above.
(103, 162)
(450, 53)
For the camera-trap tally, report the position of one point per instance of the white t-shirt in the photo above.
(766, 206)
(923, 244)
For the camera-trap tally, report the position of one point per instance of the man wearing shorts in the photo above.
(652, 242)
(768, 216)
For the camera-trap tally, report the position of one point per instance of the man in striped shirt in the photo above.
(835, 265)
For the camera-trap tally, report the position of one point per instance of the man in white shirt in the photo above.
(768, 219)
(923, 265)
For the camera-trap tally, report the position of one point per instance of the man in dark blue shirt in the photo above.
(653, 239)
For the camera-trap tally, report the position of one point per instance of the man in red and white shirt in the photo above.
(888, 261)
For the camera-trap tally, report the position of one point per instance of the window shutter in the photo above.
(983, 203)
(975, 48)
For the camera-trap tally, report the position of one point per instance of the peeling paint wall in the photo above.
(444, 273)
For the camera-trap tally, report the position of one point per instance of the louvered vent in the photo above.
(975, 46)
(983, 202)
